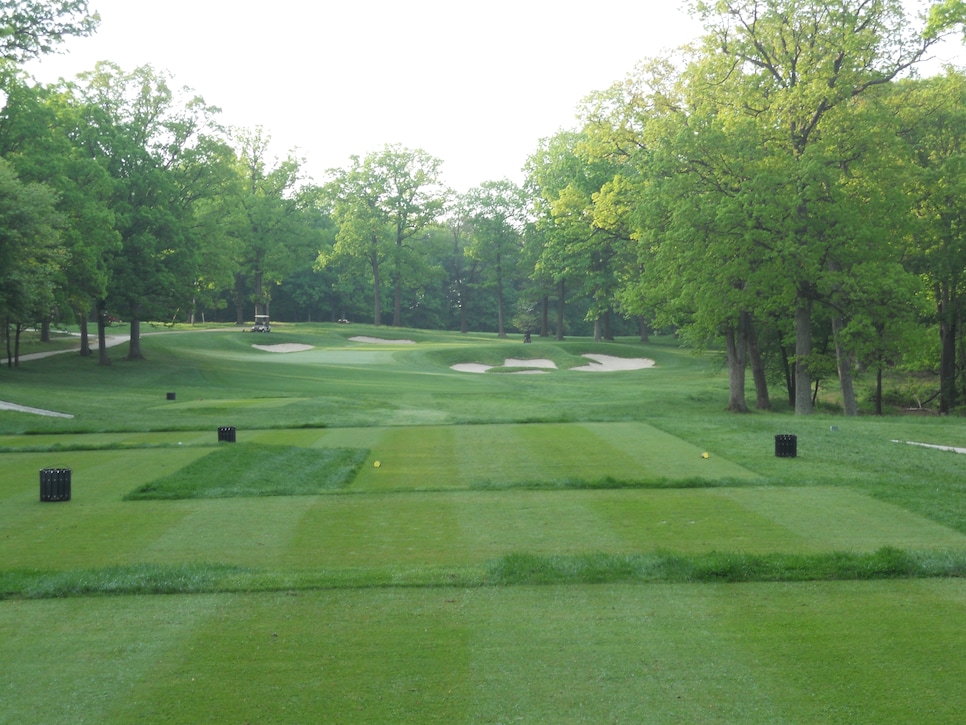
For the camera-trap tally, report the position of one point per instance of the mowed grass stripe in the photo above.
(459, 528)
(602, 653)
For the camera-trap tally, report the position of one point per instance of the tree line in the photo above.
(786, 188)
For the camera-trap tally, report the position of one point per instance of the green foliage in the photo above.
(257, 470)
(32, 28)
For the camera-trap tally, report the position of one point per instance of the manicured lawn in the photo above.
(867, 652)
(529, 548)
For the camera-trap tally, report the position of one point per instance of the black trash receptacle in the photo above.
(786, 446)
(227, 434)
(55, 484)
(171, 396)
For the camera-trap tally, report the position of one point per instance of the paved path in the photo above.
(109, 341)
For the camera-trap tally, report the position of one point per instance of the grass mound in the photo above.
(257, 470)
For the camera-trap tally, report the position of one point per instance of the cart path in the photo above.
(109, 341)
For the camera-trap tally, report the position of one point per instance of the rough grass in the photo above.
(254, 470)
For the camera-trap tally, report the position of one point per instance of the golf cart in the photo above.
(261, 324)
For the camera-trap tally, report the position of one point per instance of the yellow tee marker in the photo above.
(376, 464)
(704, 455)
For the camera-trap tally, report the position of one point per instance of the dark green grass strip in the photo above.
(510, 570)
(610, 483)
(257, 470)
(885, 563)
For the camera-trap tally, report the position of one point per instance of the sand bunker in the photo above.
(380, 341)
(470, 367)
(601, 363)
(609, 363)
(510, 362)
(287, 347)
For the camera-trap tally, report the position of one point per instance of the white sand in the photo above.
(609, 363)
(287, 347)
(379, 340)
(470, 367)
(512, 362)
(601, 363)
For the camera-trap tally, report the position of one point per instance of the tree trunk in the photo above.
(762, 401)
(878, 391)
(608, 332)
(18, 328)
(6, 328)
(85, 343)
(545, 316)
(789, 376)
(102, 358)
(562, 288)
(844, 362)
(644, 329)
(261, 303)
(134, 348)
(598, 329)
(45, 330)
(947, 353)
(735, 351)
(239, 298)
(803, 351)
(501, 331)
(376, 297)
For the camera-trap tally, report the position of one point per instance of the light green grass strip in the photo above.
(666, 653)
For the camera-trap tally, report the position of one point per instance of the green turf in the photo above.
(530, 548)
(589, 654)
(256, 470)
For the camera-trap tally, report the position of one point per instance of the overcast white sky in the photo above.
(475, 83)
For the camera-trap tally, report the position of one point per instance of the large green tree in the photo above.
(795, 67)
(270, 220)
(932, 113)
(382, 204)
(497, 212)
(151, 140)
(30, 252)
(37, 135)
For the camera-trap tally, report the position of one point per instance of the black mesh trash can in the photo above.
(786, 446)
(55, 484)
(227, 434)
(171, 396)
